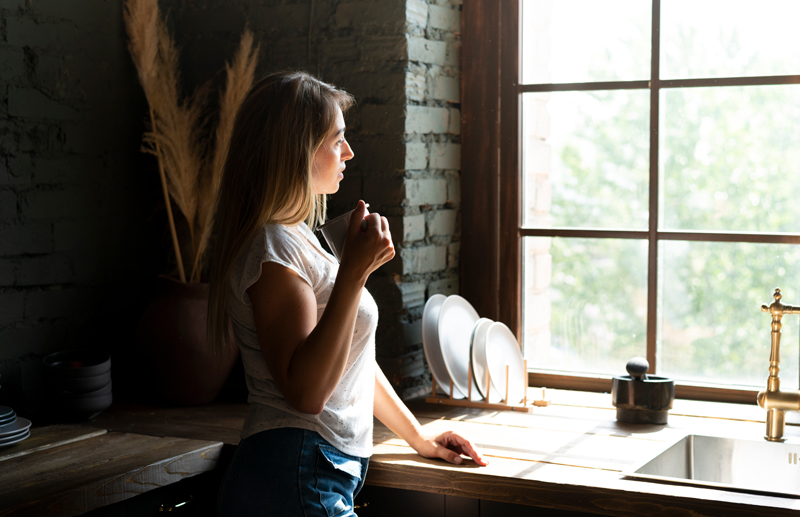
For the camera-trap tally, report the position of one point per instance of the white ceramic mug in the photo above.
(335, 232)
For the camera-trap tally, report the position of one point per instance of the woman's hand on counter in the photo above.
(394, 414)
(450, 447)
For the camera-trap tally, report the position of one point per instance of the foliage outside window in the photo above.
(660, 183)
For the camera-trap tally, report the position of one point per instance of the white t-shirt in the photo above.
(346, 420)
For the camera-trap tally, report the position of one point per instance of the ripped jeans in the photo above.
(290, 472)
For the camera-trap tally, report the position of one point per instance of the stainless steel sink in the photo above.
(751, 465)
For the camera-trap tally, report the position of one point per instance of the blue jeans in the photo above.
(290, 472)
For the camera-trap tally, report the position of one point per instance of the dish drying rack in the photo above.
(485, 404)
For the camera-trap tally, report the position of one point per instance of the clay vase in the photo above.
(177, 364)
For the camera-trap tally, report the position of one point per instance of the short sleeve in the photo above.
(273, 244)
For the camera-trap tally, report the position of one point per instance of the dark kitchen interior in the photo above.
(85, 244)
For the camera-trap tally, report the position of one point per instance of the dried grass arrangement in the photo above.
(189, 152)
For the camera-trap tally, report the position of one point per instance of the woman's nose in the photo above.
(348, 152)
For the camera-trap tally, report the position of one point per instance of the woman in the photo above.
(305, 325)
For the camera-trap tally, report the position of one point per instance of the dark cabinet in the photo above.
(192, 497)
(374, 501)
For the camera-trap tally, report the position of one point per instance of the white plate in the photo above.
(478, 360)
(502, 349)
(16, 438)
(430, 342)
(18, 425)
(456, 320)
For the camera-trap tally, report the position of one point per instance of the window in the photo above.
(635, 165)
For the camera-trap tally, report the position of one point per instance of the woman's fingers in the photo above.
(373, 222)
(369, 241)
(458, 445)
(448, 455)
(357, 217)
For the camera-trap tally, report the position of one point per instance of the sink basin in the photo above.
(751, 465)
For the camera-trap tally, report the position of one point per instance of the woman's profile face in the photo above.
(329, 160)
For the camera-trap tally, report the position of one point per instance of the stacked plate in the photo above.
(460, 345)
(12, 428)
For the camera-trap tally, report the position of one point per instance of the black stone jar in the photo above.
(641, 398)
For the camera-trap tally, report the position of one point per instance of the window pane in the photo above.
(597, 289)
(727, 38)
(567, 41)
(730, 159)
(711, 328)
(585, 157)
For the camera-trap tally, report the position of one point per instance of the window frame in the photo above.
(491, 197)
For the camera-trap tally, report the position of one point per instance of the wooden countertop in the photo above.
(69, 470)
(568, 455)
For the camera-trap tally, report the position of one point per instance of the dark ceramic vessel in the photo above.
(78, 383)
(77, 363)
(177, 363)
(79, 408)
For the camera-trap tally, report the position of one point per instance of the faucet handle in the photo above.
(777, 308)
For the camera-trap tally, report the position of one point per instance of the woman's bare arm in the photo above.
(307, 358)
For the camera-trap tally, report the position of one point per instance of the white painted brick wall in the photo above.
(426, 50)
(453, 53)
(414, 227)
(413, 293)
(426, 191)
(446, 88)
(454, 189)
(416, 156)
(446, 286)
(442, 222)
(417, 13)
(445, 18)
(424, 259)
(424, 119)
(416, 85)
(453, 255)
(445, 155)
(454, 126)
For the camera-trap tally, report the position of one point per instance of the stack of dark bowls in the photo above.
(78, 383)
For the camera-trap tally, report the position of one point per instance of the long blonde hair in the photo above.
(267, 175)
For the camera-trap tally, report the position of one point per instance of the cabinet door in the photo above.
(375, 501)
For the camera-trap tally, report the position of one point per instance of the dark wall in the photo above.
(83, 230)
(78, 202)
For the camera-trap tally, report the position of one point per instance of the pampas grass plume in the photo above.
(178, 133)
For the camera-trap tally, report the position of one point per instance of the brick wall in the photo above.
(76, 238)
(82, 228)
(429, 247)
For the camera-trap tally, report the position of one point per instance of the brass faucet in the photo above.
(775, 401)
